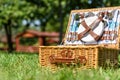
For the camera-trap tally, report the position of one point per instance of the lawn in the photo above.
(25, 66)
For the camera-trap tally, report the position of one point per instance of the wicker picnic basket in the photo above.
(100, 54)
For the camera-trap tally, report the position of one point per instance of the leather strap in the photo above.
(94, 35)
(88, 30)
(80, 35)
(110, 32)
(107, 38)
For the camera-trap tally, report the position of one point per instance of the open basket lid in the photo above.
(93, 26)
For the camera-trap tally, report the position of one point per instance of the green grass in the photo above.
(24, 66)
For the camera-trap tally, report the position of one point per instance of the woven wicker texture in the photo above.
(84, 56)
(91, 56)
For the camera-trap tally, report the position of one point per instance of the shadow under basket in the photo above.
(84, 57)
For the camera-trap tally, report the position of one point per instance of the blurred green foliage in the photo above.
(46, 11)
(52, 15)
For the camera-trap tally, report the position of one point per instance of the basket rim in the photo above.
(96, 9)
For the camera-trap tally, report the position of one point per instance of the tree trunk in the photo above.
(61, 22)
(8, 32)
(43, 30)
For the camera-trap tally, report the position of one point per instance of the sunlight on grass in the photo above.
(25, 66)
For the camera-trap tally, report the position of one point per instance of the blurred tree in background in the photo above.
(11, 15)
(43, 15)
